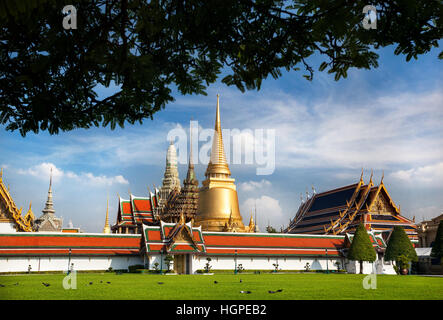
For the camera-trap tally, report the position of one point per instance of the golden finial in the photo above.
(107, 229)
(217, 163)
(361, 176)
(251, 221)
(382, 176)
(217, 115)
(372, 173)
(1, 173)
(182, 218)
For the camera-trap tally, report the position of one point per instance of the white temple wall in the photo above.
(379, 266)
(7, 227)
(156, 258)
(265, 263)
(21, 264)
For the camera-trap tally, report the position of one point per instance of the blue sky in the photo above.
(388, 119)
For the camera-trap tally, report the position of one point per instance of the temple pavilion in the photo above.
(341, 210)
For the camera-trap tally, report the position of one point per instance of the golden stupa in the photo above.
(218, 208)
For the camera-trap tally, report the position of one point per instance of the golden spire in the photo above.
(217, 163)
(218, 208)
(107, 229)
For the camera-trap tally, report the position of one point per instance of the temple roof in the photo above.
(340, 210)
(137, 209)
(174, 238)
(10, 212)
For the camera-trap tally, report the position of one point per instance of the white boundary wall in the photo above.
(265, 263)
(7, 227)
(21, 264)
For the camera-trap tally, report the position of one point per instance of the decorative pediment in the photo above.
(9, 211)
(382, 205)
(173, 238)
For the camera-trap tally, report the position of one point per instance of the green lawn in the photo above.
(202, 287)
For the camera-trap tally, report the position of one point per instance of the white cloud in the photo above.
(430, 175)
(254, 185)
(43, 170)
(426, 213)
(376, 132)
(268, 211)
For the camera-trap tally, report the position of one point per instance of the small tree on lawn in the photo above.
(168, 261)
(338, 264)
(400, 245)
(437, 248)
(275, 266)
(208, 265)
(361, 247)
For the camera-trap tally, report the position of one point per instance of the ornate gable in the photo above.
(9, 211)
(382, 204)
(174, 238)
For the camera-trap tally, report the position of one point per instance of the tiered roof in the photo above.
(376, 238)
(340, 210)
(184, 238)
(174, 238)
(137, 210)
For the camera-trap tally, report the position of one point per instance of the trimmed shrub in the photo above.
(400, 245)
(361, 247)
(133, 269)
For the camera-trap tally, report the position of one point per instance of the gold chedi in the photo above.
(218, 208)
